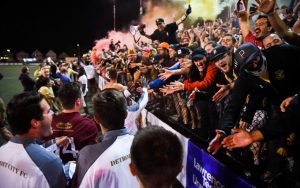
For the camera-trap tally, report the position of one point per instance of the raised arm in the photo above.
(188, 11)
(267, 7)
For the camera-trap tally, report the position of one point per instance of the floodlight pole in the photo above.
(114, 1)
(141, 7)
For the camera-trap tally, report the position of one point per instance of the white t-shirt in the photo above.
(89, 70)
(83, 80)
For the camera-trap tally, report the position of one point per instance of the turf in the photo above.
(10, 84)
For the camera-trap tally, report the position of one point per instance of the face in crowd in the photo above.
(254, 64)
(224, 63)
(209, 48)
(200, 63)
(272, 40)
(163, 51)
(28, 113)
(160, 26)
(172, 52)
(183, 58)
(45, 128)
(262, 28)
(45, 72)
(228, 42)
(131, 57)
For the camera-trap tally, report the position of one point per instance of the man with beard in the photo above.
(261, 29)
(23, 162)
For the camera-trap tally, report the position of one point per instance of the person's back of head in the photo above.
(21, 110)
(53, 70)
(81, 71)
(156, 157)
(112, 73)
(68, 94)
(24, 70)
(110, 109)
(44, 81)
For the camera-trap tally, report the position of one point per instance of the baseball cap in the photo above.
(183, 51)
(164, 45)
(199, 53)
(159, 21)
(147, 49)
(218, 52)
(157, 57)
(245, 54)
(174, 46)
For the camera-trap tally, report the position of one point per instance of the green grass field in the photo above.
(10, 84)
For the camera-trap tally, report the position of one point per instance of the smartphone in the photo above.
(240, 6)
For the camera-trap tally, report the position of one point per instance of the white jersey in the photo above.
(134, 110)
(23, 163)
(83, 80)
(89, 70)
(106, 164)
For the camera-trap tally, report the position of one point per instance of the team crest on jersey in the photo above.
(64, 126)
(279, 74)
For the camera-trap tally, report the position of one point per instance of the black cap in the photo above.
(183, 51)
(157, 57)
(199, 53)
(159, 21)
(218, 52)
(174, 46)
(245, 54)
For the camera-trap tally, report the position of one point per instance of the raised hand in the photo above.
(266, 6)
(189, 10)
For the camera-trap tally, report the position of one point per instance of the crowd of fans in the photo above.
(233, 83)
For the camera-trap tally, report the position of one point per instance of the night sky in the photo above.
(60, 25)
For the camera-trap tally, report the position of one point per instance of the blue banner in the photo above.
(205, 171)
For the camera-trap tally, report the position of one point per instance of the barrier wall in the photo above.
(199, 168)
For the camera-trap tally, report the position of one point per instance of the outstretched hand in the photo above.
(223, 92)
(166, 74)
(166, 90)
(215, 144)
(285, 103)
(192, 96)
(240, 138)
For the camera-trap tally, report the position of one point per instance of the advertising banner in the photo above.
(203, 170)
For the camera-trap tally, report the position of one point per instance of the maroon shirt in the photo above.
(251, 38)
(83, 130)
